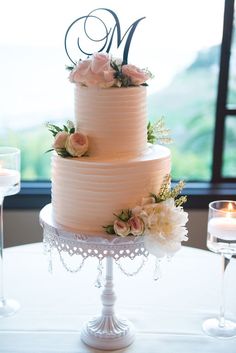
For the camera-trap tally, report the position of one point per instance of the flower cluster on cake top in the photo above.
(101, 70)
(159, 218)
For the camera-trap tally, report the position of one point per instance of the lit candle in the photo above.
(8, 177)
(224, 227)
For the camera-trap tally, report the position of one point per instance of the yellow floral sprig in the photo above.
(157, 132)
(167, 193)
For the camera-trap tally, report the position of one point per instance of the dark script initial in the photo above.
(109, 36)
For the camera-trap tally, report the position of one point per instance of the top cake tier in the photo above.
(114, 119)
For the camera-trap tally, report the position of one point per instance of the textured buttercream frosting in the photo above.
(114, 120)
(87, 191)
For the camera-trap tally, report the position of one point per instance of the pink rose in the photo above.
(95, 72)
(136, 225)
(77, 144)
(60, 140)
(100, 63)
(107, 79)
(80, 72)
(104, 80)
(121, 228)
(136, 75)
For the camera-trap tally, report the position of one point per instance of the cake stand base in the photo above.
(108, 334)
(107, 331)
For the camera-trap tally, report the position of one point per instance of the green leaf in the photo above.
(53, 132)
(125, 215)
(63, 152)
(57, 128)
(69, 68)
(114, 66)
(109, 229)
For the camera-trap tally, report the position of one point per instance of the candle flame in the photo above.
(230, 210)
(230, 207)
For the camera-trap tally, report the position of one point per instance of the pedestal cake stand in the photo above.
(106, 331)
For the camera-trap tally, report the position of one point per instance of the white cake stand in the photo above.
(106, 331)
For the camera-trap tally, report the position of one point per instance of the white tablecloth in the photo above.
(167, 313)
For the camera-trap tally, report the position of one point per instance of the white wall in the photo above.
(22, 227)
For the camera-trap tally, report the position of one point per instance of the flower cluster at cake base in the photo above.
(67, 141)
(159, 218)
(102, 71)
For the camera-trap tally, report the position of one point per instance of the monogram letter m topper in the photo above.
(107, 39)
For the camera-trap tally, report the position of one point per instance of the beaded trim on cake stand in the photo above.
(106, 331)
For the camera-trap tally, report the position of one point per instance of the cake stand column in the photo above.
(108, 331)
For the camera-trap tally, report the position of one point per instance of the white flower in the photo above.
(136, 210)
(164, 227)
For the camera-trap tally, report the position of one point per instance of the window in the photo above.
(179, 41)
(224, 166)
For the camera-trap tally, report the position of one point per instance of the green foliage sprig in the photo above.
(125, 81)
(54, 129)
(157, 132)
(124, 215)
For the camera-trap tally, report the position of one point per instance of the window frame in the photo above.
(222, 108)
(35, 195)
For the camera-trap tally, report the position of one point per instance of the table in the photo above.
(167, 313)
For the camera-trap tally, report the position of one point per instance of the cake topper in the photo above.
(107, 38)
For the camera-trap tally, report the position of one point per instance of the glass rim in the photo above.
(5, 150)
(222, 201)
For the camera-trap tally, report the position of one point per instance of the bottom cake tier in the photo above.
(87, 192)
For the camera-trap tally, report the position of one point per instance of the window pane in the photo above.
(179, 42)
(231, 99)
(229, 156)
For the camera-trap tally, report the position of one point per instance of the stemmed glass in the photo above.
(221, 239)
(9, 185)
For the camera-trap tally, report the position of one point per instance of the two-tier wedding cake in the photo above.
(106, 176)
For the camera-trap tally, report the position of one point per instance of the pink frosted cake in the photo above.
(121, 167)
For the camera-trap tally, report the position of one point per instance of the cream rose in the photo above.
(60, 140)
(136, 225)
(77, 144)
(121, 228)
(136, 75)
